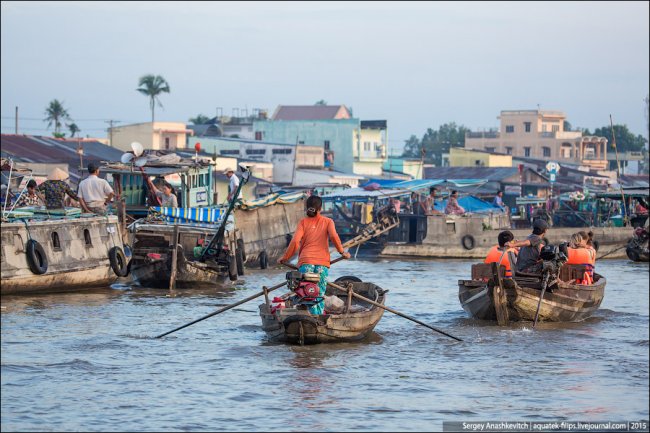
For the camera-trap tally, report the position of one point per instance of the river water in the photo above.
(87, 361)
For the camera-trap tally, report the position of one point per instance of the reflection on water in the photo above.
(88, 360)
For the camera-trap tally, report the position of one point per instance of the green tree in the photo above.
(59, 135)
(56, 114)
(201, 119)
(435, 143)
(152, 86)
(73, 129)
(625, 140)
(567, 125)
(321, 102)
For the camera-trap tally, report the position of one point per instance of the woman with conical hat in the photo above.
(55, 188)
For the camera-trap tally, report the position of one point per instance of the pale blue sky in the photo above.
(417, 65)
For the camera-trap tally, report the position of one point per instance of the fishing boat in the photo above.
(287, 318)
(565, 300)
(637, 247)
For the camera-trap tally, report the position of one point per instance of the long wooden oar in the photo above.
(541, 296)
(376, 304)
(221, 310)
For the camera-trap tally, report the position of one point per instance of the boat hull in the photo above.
(297, 326)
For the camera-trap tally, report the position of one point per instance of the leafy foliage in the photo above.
(56, 113)
(152, 86)
(625, 140)
(434, 143)
(73, 129)
(201, 119)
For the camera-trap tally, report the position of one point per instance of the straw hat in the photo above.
(228, 170)
(58, 174)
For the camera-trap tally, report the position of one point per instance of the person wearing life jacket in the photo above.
(311, 240)
(580, 254)
(499, 253)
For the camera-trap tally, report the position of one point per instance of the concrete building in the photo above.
(285, 158)
(156, 136)
(411, 166)
(462, 157)
(540, 134)
(349, 145)
(311, 176)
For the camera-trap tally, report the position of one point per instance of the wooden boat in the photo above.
(637, 246)
(564, 300)
(297, 325)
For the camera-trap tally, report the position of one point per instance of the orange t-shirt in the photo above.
(311, 238)
(495, 254)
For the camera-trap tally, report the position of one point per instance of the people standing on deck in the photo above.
(31, 198)
(55, 189)
(530, 248)
(167, 196)
(94, 192)
(233, 185)
(417, 206)
(430, 202)
(311, 240)
(499, 253)
(453, 208)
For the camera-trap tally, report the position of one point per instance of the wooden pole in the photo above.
(172, 278)
(618, 171)
(499, 295)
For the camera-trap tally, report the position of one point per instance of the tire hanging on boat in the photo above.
(36, 257)
(239, 260)
(240, 247)
(118, 261)
(232, 268)
(264, 260)
(468, 242)
(348, 278)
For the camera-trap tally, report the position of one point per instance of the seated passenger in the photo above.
(499, 253)
(530, 248)
(580, 254)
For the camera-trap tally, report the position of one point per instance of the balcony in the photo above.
(490, 134)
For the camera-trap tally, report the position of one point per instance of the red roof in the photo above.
(311, 112)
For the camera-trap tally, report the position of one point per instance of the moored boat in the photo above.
(286, 321)
(565, 300)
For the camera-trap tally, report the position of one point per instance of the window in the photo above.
(547, 151)
(56, 242)
(527, 126)
(255, 151)
(87, 238)
(555, 128)
(258, 135)
(301, 142)
(509, 150)
(510, 128)
(566, 150)
(327, 145)
(526, 151)
(281, 151)
(366, 145)
(230, 152)
(489, 149)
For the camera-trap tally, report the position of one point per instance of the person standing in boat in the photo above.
(530, 248)
(95, 193)
(233, 185)
(499, 253)
(167, 196)
(311, 240)
(55, 189)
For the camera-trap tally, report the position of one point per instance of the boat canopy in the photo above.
(471, 204)
(423, 183)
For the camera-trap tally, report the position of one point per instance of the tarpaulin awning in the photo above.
(471, 204)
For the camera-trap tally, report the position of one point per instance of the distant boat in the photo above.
(564, 301)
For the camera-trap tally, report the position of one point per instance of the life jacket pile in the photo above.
(586, 257)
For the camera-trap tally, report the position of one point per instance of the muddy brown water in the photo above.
(87, 361)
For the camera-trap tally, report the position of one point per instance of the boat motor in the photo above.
(305, 287)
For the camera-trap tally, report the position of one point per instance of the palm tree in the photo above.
(201, 119)
(73, 129)
(55, 114)
(152, 86)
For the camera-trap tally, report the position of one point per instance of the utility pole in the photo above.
(110, 130)
(16, 120)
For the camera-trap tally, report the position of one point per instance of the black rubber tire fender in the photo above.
(118, 261)
(264, 260)
(350, 278)
(232, 268)
(36, 257)
(468, 242)
(596, 245)
(239, 260)
(242, 248)
(632, 254)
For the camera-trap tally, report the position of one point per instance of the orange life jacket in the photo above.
(586, 257)
(495, 254)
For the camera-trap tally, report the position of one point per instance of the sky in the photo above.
(417, 65)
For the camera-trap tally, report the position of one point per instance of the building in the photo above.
(305, 176)
(410, 166)
(155, 136)
(348, 144)
(285, 158)
(462, 157)
(540, 134)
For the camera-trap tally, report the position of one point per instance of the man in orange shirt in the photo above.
(499, 253)
(311, 240)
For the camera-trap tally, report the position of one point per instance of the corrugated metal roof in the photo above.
(487, 173)
(308, 112)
